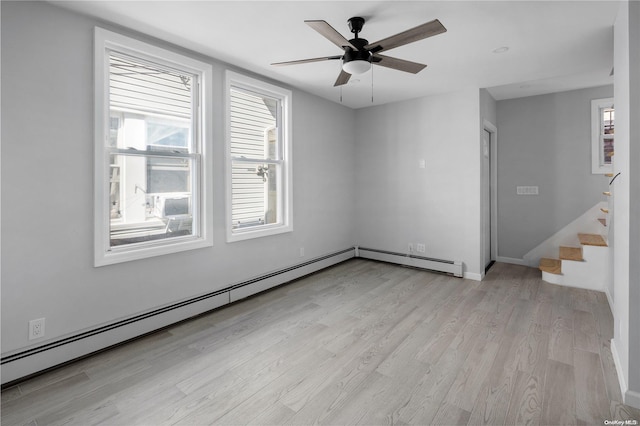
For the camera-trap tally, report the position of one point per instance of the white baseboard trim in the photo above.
(37, 359)
(473, 276)
(552, 278)
(512, 260)
(619, 370)
(25, 362)
(446, 266)
(609, 298)
(239, 292)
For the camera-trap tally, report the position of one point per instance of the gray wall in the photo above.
(398, 202)
(47, 190)
(545, 141)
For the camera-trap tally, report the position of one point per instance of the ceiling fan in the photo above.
(359, 54)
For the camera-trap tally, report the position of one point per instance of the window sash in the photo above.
(198, 167)
(135, 85)
(601, 161)
(246, 121)
(247, 200)
(274, 154)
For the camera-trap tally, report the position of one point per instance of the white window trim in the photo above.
(103, 255)
(284, 95)
(596, 105)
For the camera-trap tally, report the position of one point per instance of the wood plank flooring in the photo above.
(359, 343)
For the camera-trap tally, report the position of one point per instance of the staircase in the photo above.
(585, 265)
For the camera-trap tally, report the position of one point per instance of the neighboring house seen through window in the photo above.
(258, 149)
(602, 135)
(150, 169)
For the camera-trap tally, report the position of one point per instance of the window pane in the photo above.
(254, 194)
(607, 117)
(145, 87)
(168, 134)
(253, 125)
(141, 132)
(168, 175)
(150, 198)
(150, 111)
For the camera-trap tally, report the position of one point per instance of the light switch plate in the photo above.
(526, 190)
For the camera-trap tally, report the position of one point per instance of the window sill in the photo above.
(257, 232)
(129, 253)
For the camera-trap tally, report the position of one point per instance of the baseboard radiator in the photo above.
(447, 266)
(22, 364)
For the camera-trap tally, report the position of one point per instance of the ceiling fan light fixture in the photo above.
(356, 67)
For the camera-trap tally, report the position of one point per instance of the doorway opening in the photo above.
(489, 203)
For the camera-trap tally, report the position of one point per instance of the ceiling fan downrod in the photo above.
(360, 54)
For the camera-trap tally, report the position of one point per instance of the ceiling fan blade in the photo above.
(420, 32)
(398, 64)
(343, 78)
(330, 33)
(306, 61)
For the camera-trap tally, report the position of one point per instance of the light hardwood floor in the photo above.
(359, 343)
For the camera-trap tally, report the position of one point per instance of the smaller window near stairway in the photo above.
(602, 135)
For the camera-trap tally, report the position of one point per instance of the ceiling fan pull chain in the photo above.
(340, 66)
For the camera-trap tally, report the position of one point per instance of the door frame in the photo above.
(493, 177)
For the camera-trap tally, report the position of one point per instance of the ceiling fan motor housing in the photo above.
(361, 54)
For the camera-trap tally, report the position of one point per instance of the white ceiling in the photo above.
(553, 45)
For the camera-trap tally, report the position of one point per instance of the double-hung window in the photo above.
(151, 154)
(258, 158)
(602, 135)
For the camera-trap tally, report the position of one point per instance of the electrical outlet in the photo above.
(421, 248)
(301, 251)
(36, 328)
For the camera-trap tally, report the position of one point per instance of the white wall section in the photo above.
(398, 202)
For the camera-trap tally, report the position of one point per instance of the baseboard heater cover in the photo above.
(23, 364)
(452, 267)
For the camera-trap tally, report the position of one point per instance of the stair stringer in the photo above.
(587, 223)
